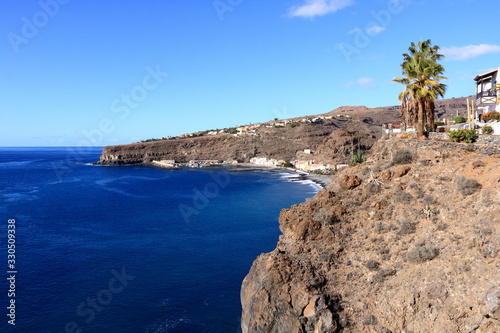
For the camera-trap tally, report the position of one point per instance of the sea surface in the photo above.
(131, 249)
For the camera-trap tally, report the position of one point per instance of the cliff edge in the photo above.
(409, 241)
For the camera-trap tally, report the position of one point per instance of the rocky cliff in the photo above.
(409, 241)
(331, 141)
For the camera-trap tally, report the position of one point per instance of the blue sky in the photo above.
(91, 72)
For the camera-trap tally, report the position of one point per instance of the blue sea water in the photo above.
(131, 249)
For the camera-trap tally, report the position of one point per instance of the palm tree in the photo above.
(421, 76)
(408, 107)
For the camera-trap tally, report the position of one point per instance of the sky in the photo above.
(96, 73)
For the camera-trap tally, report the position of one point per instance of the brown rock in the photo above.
(403, 171)
(349, 182)
(478, 164)
(385, 176)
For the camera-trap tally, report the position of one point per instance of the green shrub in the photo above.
(487, 129)
(402, 156)
(288, 165)
(438, 123)
(358, 157)
(460, 119)
(463, 135)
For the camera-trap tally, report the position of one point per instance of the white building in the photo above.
(264, 161)
(486, 93)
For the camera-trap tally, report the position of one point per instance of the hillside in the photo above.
(445, 108)
(331, 140)
(407, 242)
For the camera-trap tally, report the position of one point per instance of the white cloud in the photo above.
(374, 30)
(354, 31)
(469, 52)
(364, 82)
(312, 8)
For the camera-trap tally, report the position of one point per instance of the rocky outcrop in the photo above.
(331, 142)
(409, 241)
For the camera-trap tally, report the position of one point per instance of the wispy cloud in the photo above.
(469, 52)
(374, 30)
(364, 82)
(312, 8)
(353, 31)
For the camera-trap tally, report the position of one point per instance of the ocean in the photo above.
(133, 248)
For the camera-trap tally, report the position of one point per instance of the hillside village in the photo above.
(319, 150)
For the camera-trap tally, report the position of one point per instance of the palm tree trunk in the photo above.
(404, 114)
(430, 115)
(420, 117)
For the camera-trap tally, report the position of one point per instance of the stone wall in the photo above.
(492, 139)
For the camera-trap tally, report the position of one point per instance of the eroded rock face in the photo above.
(408, 253)
(329, 142)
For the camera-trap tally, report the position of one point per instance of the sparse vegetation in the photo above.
(373, 180)
(406, 227)
(402, 196)
(422, 252)
(372, 188)
(325, 217)
(358, 157)
(372, 265)
(382, 274)
(156, 139)
(487, 129)
(382, 227)
(467, 186)
(463, 135)
(428, 212)
(402, 156)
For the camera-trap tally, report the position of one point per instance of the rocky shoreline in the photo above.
(295, 175)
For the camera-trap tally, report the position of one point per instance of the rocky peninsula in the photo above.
(331, 141)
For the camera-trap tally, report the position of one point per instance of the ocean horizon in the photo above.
(136, 248)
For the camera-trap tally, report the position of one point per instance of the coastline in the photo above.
(296, 175)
